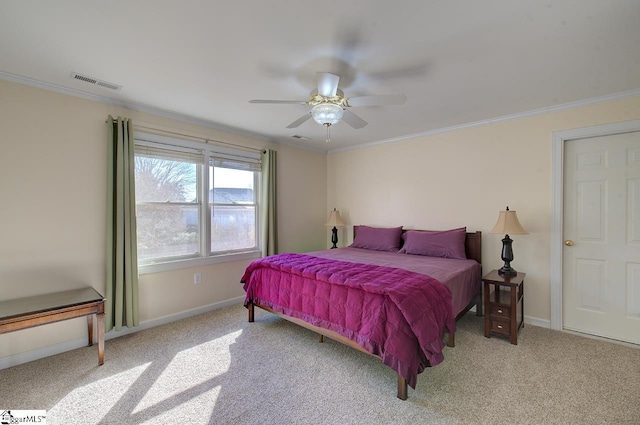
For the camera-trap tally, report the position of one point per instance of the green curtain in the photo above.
(121, 307)
(268, 204)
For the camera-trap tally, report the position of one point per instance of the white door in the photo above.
(601, 256)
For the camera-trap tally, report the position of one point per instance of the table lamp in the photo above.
(335, 221)
(508, 224)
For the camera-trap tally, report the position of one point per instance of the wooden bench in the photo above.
(28, 312)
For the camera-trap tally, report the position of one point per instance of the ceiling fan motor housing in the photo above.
(327, 113)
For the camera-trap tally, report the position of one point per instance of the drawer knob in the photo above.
(499, 311)
(568, 242)
(499, 326)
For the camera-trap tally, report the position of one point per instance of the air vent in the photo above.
(94, 81)
(297, 136)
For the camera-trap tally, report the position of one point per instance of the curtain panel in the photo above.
(121, 306)
(268, 212)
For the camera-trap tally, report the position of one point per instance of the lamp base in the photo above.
(334, 237)
(507, 257)
(507, 271)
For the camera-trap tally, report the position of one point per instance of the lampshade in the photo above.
(334, 219)
(508, 224)
(327, 113)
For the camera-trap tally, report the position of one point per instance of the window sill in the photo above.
(197, 262)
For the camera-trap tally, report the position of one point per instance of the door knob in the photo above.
(568, 242)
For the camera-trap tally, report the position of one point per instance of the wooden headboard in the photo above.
(472, 244)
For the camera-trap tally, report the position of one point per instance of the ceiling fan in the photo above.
(329, 105)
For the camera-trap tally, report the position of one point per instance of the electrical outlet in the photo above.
(197, 278)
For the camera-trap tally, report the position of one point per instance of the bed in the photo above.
(394, 293)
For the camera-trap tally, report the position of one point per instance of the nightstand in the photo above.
(503, 305)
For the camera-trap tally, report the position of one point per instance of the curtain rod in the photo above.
(207, 141)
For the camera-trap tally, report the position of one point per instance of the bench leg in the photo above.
(90, 324)
(451, 341)
(100, 317)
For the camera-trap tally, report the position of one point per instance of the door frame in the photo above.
(557, 202)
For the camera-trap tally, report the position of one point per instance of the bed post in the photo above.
(479, 306)
(402, 388)
(251, 311)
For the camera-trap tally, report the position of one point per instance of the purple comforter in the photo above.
(398, 315)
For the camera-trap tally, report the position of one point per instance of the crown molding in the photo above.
(217, 126)
(555, 108)
(146, 109)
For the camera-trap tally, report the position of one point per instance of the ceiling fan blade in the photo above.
(300, 120)
(327, 84)
(289, 102)
(353, 120)
(378, 100)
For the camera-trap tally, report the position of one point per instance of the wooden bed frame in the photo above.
(473, 249)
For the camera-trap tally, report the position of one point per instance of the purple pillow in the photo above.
(445, 243)
(378, 238)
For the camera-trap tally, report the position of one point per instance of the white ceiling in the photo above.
(458, 62)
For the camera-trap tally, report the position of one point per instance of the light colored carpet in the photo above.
(216, 368)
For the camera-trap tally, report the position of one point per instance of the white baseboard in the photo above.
(173, 317)
(543, 323)
(29, 356)
(40, 353)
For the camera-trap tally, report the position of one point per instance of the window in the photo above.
(232, 204)
(194, 202)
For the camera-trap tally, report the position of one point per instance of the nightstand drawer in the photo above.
(500, 311)
(501, 326)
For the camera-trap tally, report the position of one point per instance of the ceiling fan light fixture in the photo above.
(327, 113)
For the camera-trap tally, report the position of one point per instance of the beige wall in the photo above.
(52, 200)
(463, 178)
(52, 218)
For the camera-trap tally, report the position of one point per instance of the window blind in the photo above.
(235, 162)
(153, 150)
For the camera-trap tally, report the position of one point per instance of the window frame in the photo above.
(210, 204)
(206, 257)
